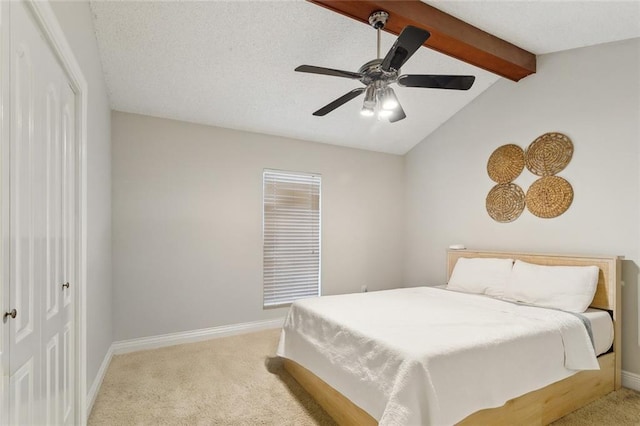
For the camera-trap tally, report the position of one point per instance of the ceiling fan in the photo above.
(377, 75)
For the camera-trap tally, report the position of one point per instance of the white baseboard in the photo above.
(97, 382)
(631, 380)
(153, 342)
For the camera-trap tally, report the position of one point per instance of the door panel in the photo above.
(70, 250)
(5, 138)
(67, 375)
(53, 233)
(22, 388)
(68, 197)
(52, 381)
(24, 330)
(22, 192)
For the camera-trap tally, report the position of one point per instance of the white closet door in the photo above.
(5, 191)
(70, 252)
(42, 251)
(25, 334)
(53, 277)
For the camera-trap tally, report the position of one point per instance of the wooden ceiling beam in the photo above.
(449, 35)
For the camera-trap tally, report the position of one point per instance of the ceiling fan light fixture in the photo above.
(370, 97)
(384, 113)
(367, 111)
(389, 99)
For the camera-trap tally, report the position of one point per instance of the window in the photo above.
(291, 231)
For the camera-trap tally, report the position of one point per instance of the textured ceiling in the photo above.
(230, 63)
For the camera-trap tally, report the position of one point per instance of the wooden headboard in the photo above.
(608, 293)
(606, 297)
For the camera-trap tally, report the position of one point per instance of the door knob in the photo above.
(11, 314)
(65, 285)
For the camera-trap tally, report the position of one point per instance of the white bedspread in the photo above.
(427, 356)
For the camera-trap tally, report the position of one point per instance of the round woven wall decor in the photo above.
(505, 202)
(506, 163)
(549, 196)
(549, 154)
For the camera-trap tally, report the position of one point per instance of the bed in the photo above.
(360, 387)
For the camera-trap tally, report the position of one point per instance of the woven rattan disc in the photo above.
(505, 202)
(549, 196)
(506, 163)
(549, 154)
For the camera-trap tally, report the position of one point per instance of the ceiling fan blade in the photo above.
(398, 114)
(454, 82)
(339, 102)
(328, 71)
(409, 40)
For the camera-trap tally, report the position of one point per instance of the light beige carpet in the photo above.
(227, 381)
(618, 408)
(236, 381)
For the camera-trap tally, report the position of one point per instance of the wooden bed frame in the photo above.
(539, 407)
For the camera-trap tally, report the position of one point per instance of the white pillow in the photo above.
(570, 288)
(482, 276)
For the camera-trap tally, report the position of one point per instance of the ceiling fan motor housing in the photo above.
(372, 72)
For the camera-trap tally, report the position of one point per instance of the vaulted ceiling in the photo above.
(231, 63)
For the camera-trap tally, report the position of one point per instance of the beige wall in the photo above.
(592, 95)
(75, 20)
(187, 215)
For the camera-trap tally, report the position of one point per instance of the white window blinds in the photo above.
(291, 229)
